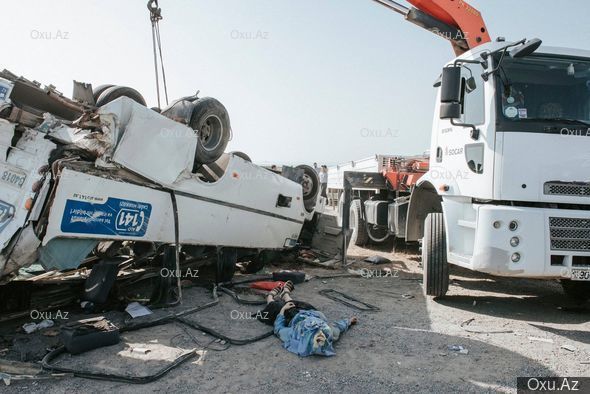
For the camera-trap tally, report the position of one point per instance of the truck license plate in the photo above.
(12, 176)
(581, 274)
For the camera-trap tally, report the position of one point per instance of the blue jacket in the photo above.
(298, 336)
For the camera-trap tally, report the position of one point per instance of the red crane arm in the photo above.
(459, 14)
(454, 20)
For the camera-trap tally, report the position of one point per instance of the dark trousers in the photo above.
(324, 190)
(269, 314)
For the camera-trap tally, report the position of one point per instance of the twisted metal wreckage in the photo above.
(101, 171)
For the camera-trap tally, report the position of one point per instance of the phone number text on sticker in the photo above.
(114, 217)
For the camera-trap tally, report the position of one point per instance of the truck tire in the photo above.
(359, 236)
(577, 291)
(434, 256)
(97, 91)
(311, 186)
(211, 121)
(114, 92)
(226, 264)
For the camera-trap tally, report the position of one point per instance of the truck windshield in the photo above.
(543, 94)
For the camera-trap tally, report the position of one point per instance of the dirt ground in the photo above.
(403, 347)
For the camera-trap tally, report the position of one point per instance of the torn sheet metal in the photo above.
(65, 253)
(152, 145)
(18, 173)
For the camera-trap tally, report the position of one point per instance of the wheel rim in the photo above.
(307, 185)
(377, 234)
(211, 133)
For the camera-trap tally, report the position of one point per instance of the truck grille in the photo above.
(567, 189)
(570, 234)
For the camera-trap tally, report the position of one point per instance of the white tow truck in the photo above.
(512, 127)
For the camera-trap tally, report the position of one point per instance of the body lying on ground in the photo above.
(303, 329)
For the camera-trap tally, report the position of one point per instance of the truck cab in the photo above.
(510, 164)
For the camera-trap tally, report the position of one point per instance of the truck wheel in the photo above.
(211, 121)
(359, 236)
(114, 92)
(577, 291)
(377, 234)
(97, 91)
(311, 186)
(434, 256)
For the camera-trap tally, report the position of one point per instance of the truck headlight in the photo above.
(513, 226)
(515, 257)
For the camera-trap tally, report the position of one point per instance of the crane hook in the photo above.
(155, 11)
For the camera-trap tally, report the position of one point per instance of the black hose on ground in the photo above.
(238, 299)
(45, 363)
(233, 341)
(176, 317)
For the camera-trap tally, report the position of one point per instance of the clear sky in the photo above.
(303, 80)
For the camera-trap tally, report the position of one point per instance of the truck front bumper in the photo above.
(531, 242)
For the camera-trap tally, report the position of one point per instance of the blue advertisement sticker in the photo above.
(114, 217)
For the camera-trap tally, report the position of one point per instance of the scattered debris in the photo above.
(376, 259)
(19, 368)
(571, 348)
(319, 259)
(458, 349)
(7, 378)
(88, 334)
(135, 309)
(140, 350)
(546, 340)
(32, 327)
(466, 323)
(348, 300)
(51, 333)
(294, 276)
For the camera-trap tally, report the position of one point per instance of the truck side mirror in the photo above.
(450, 94)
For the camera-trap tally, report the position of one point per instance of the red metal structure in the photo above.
(454, 20)
(403, 175)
